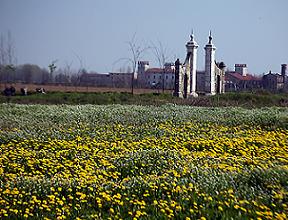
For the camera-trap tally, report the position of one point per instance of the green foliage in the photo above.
(88, 98)
(247, 100)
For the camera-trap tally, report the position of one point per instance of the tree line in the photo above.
(31, 73)
(10, 72)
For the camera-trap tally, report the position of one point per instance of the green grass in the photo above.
(247, 100)
(89, 98)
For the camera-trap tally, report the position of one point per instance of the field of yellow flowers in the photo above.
(143, 162)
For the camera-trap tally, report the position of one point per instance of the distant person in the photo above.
(13, 90)
(9, 91)
(24, 91)
(40, 90)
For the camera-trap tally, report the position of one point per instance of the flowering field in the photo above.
(136, 162)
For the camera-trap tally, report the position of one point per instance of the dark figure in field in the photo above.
(13, 90)
(40, 90)
(9, 91)
(24, 91)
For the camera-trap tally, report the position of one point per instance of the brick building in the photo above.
(155, 77)
(241, 80)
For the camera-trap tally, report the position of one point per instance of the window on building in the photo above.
(166, 77)
(154, 77)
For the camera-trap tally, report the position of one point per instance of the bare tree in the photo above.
(67, 68)
(68, 71)
(10, 50)
(45, 76)
(2, 51)
(52, 67)
(7, 50)
(160, 52)
(30, 73)
(136, 52)
(7, 57)
(76, 79)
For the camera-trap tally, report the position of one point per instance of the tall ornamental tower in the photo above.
(191, 47)
(210, 76)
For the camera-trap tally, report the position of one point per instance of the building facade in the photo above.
(273, 82)
(276, 82)
(117, 80)
(159, 78)
(240, 80)
(95, 79)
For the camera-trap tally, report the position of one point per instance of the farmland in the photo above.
(69, 88)
(143, 162)
(75, 95)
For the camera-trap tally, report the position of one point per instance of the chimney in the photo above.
(283, 69)
(284, 72)
(241, 68)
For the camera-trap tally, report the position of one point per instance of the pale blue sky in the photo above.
(244, 31)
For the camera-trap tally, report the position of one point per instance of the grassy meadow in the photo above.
(245, 99)
(143, 162)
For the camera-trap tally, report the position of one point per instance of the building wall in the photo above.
(117, 80)
(273, 82)
(96, 79)
(200, 82)
(143, 66)
(121, 80)
(245, 83)
(155, 80)
(169, 80)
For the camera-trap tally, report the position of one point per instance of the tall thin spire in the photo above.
(192, 35)
(210, 37)
(210, 77)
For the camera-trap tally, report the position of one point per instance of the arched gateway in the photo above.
(186, 73)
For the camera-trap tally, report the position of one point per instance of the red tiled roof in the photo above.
(154, 70)
(248, 77)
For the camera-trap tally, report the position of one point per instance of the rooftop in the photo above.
(239, 76)
(270, 73)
